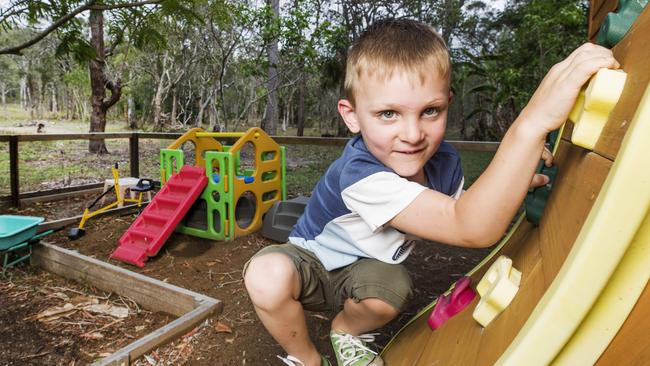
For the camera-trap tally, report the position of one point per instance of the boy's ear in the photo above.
(451, 96)
(346, 110)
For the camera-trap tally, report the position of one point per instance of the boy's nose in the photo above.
(411, 132)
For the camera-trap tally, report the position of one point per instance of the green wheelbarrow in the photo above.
(17, 234)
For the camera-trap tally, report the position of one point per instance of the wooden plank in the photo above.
(60, 196)
(134, 155)
(150, 293)
(75, 219)
(55, 191)
(74, 136)
(633, 54)
(556, 229)
(631, 346)
(160, 336)
(13, 171)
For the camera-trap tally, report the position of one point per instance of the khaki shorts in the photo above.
(324, 290)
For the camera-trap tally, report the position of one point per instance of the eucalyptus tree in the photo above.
(270, 118)
(125, 21)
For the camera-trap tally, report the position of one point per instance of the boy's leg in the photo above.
(363, 316)
(374, 293)
(277, 305)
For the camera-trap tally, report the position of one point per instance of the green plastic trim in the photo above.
(616, 24)
(535, 200)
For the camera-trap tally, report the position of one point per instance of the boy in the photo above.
(396, 181)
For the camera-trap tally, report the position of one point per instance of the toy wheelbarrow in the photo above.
(17, 233)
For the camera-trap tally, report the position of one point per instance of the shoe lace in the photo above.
(353, 348)
(291, 361)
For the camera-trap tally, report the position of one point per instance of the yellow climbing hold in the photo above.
(593, 106)
(497, 288)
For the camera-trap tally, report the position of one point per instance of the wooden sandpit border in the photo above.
(190, 307)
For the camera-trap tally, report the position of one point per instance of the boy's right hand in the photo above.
(551, 103)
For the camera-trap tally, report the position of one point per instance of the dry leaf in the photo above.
(93, 335)
(222, 328)
(80, 301)
(108, 309)
(55, 312)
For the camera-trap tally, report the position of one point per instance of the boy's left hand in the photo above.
(551, 103)
(541, 179)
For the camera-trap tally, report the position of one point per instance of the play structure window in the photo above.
(189, 153)
(216, 197)
(247, 159)
(268, 155)
(267, 176)
(216, 221)
(245, 209)
(196, 217)
(267, 196)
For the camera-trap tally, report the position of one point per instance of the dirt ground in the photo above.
(235, 337)
(47, 320)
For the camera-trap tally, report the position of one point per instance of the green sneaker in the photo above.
(353, 350)
(292, 361)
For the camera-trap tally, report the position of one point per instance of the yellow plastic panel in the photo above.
(609, 229)
(613, 306)
(593, 106)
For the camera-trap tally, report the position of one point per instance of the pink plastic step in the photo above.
(448, 306)
(152, 228)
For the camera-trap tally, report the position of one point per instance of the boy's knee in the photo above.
(270, 279)
(380, 308)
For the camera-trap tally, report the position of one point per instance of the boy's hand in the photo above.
(551, 103)
(541, 179)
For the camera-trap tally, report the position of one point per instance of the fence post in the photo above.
(13, 171)
(134, 158)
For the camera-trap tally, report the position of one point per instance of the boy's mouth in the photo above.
(410, 152)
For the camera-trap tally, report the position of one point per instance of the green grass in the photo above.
(474, 163)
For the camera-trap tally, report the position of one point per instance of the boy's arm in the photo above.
(482, 214)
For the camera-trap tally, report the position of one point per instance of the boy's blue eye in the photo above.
(388, 114)
(431, 111)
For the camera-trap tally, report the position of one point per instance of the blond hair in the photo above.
(396, 44)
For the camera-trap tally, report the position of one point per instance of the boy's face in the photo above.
(402, 119)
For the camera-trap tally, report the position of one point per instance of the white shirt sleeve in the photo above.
(379, 197)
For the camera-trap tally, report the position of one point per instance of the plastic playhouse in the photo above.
(224, 195)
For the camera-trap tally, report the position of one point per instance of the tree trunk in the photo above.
(130, 108)
(32, 95)
(99, 82)
(157, 109)
(172, 118)
(270, 119)
(55, 105)
(3, 90)
(342, 129)
(23, 92)
(300, 112)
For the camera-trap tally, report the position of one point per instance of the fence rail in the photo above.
(15, 196)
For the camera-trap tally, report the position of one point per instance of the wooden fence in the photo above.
(15, 196)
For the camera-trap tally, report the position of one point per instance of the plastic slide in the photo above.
(153, 227)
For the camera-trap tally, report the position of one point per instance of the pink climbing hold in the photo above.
(452, 304)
